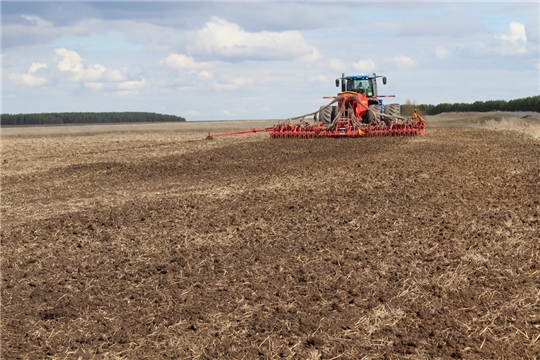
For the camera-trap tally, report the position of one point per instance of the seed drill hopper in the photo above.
(357, 111)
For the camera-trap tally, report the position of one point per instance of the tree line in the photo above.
(531, 103)
(86, 117)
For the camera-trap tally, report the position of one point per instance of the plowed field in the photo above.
(165, 245)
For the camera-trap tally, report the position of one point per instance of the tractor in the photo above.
(356, 111)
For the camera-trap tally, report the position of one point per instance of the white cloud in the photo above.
(132, 85)
(515, 33)
(96, 76)
(36, 66)
(114, 75)
(227, 40)
(183, 62)
(513, 42)
(514, 39)
(365, 66)
(90, 73)
(402, 62)
(27, 80)
(194, 113)
(442, 53)
(72, 61)
(37, 20)
(187, 63)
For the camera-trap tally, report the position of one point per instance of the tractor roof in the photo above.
(360, 76)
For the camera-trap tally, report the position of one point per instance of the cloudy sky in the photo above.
(260, 60)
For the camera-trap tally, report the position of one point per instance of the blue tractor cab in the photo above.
(361, 83)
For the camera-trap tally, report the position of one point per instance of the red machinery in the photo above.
(357, 114)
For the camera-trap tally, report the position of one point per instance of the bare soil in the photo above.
(161, 244)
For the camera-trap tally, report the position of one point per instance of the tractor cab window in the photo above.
(360, 86)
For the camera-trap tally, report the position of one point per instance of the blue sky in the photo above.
(260, 60)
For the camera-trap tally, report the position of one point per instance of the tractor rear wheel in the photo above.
(392, 109)
(326, 115)
(375, 108)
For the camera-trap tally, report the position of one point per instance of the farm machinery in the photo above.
(357, 111)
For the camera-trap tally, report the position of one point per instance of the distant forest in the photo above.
(86, 117)
(531, 103)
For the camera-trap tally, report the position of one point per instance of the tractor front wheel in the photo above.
(373, 115)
